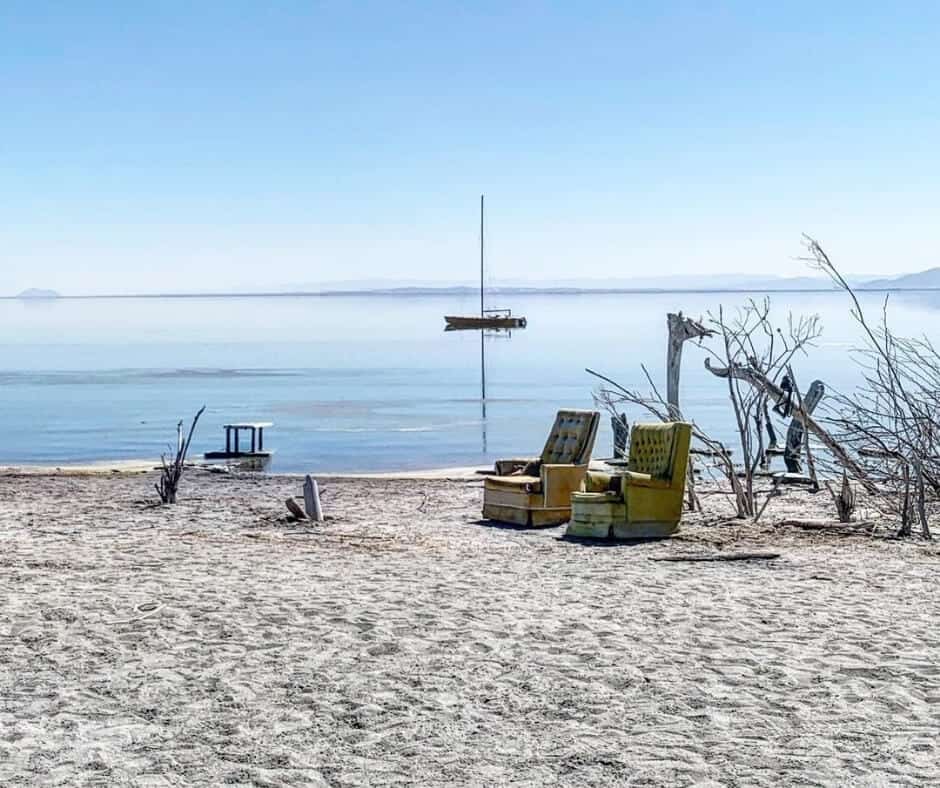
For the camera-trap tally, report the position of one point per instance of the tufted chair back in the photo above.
(571, 440)
(653, 449)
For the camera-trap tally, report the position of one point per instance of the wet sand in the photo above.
(404, 642)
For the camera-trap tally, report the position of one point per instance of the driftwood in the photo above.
(681, 329)
(795, 434)
(312, 500)
(620, 428)
(825, 525)
(761, 382)
(718, 557)
(172, 472)
(294, 508)
(844, 499)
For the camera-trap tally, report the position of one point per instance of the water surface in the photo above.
(358, 383)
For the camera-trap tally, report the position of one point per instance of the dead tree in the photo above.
(752, 350)
(890, 423)
(760, 381)
(613, 395)
(172, 472)
(681, 330)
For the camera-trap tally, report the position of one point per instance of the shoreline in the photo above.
(139, 467)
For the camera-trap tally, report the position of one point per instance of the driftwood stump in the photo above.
(621, 431)
(681, 329)
(312, 500)
(294, 508)
(794, 447)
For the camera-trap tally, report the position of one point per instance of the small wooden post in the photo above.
(312, 500)
(253, 435)
(228, 440)
(260, 438)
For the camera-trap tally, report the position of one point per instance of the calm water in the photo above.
(355, 383)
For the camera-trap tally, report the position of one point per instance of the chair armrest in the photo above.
(600, 481)
(506, 467)
(559, 481)
(634, 479)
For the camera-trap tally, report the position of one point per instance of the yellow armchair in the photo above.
(644, 501)
(538, 491)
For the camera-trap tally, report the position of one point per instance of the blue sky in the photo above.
(218, 145)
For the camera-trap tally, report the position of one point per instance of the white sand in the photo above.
(404, 643)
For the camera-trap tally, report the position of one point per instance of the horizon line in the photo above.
(432, 291)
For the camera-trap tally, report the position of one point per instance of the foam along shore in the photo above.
(405, 642)
(136, 466)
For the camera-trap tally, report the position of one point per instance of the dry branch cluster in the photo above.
(889, 423)
(172, 472)
(883, 437)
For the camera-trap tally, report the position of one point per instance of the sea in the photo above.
(369, 383)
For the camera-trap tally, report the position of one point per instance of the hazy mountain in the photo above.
(715, 282)
(753, 283)
(36, 292)
(923, 280)
(745, 282)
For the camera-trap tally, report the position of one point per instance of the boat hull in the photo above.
(457, 323)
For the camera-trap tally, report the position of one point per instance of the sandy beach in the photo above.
(404, 642)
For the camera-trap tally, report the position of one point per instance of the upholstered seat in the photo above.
(517, 495)
(644, 501)
(528, 483)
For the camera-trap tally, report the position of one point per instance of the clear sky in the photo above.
(235, 143)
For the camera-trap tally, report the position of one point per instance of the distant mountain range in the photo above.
(717, 282)
(36, 292)
(924, 280)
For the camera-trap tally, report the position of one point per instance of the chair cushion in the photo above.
(651, 449)
(568, 441)
(596, 497)
(522, 483)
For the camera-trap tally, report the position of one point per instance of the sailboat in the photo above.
(488, 318)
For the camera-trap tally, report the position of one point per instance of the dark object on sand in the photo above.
(294, 509)
(718, 557)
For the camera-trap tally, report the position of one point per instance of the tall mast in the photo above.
(481, 255)
(482, 331)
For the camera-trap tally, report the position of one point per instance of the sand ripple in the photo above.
(403, 643)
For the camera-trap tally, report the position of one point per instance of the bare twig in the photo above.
(172, 472)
